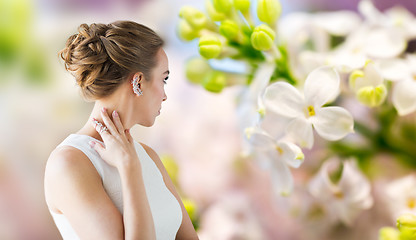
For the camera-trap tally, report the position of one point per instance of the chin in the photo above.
(148, 123)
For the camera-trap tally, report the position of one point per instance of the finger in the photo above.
(117, 122)
(97, 147)
(128, 135)
(100, 128)
(108, 122)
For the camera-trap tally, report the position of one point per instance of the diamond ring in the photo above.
(100, 126)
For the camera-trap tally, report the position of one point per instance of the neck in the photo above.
(124, 113)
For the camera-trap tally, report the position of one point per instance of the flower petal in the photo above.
(393, 69)
(372, 76)
(333, 123)
(356, 198)
(346, 60)
(384, 43)
(282, 179)
(293, 28)
(300, 130)
(291, 154)
(261, 80)
(283, 99)
(404, 96)
(338, 23)
(411, 60)
(259, 138)
(274, 124)
(320, 186)
(370, 12)
(321, 86)
(350, 179)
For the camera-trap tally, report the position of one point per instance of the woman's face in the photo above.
(154, 90)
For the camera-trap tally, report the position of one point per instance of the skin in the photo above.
(73, 186)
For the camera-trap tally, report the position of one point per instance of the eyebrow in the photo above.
(166, 72)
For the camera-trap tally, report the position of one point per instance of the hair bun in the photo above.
(84, 54)
(102, 56)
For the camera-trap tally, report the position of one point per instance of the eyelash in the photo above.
(164, 80)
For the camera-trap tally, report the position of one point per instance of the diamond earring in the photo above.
(136, 86)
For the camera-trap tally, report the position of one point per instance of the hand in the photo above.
(119, 150)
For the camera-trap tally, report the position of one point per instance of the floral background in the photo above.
(250, 162)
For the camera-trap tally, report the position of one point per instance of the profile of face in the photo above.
(149, 104)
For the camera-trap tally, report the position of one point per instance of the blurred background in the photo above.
(227, 195)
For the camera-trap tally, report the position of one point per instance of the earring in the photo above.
(136, 86)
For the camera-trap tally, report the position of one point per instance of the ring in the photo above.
(101, 127)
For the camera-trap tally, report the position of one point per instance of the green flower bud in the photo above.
(223, 6)
(185, 31)
(191, 208)
(407, 221)
(193, 16)
(354, 76)
(215, 81)
(268, 10)
(388, 233)
(242, 5)
(212, 13)
(209, 46)
(229, 29)
(196, 69)
(372, 96)
(407, 234)
(262, 37)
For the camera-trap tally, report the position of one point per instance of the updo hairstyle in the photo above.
(102, 56)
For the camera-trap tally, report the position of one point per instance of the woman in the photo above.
(99, 182)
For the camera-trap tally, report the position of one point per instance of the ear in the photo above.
(139, 76)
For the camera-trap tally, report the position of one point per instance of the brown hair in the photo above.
(102, 56)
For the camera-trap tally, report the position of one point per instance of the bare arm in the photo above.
(186, 230)
(76, 190)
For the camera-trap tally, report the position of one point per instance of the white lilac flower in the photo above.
(386, 34)
(249, 107)
(346, 199)
(250, 110)
(397, 18)
(276, 156)
(351, 53)
(380, 36)
(305, 110)
(368, 85)
(367, 43)
(401, 195)
(298, 30)
(403, 74)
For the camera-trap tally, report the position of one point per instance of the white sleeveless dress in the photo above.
(166, 211)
